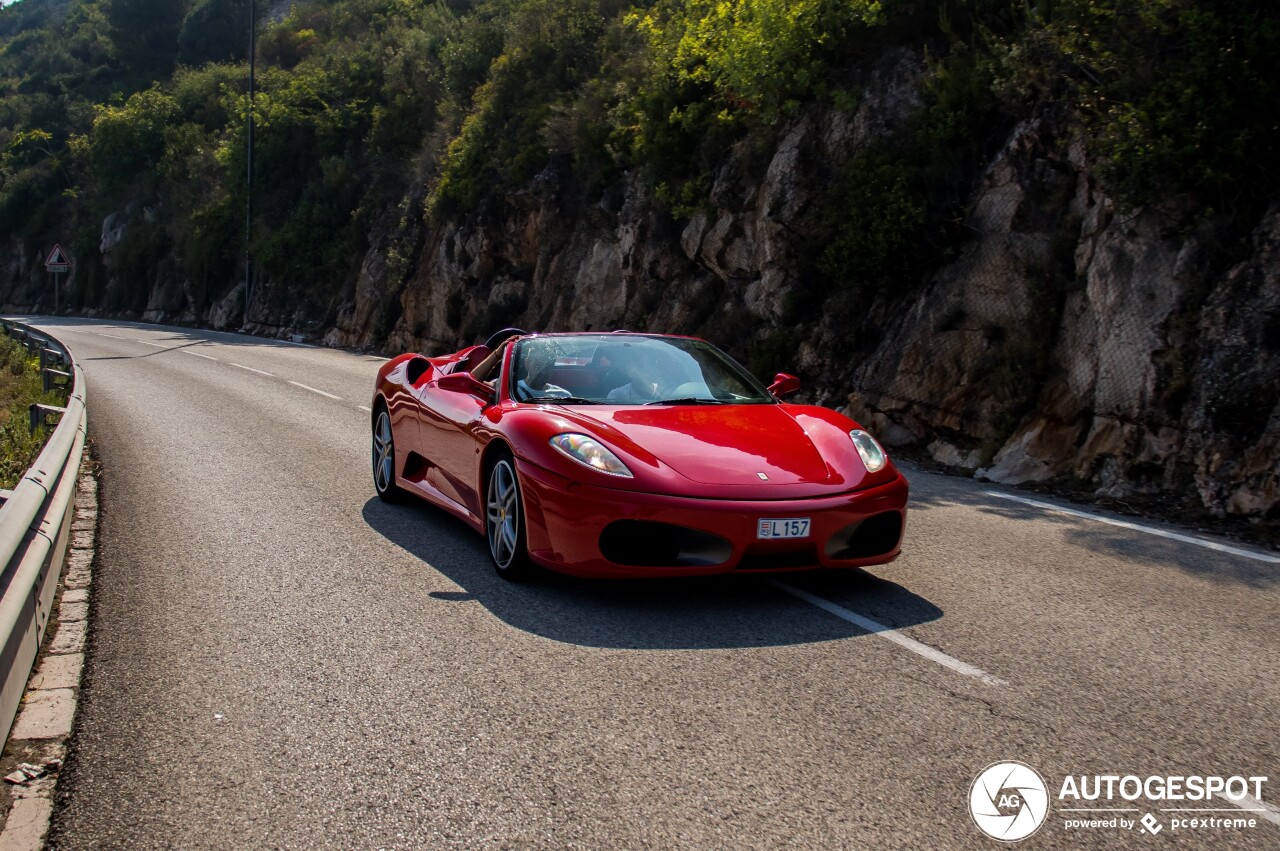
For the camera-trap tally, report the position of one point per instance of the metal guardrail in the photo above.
(35, 526)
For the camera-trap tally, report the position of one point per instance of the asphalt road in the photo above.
(277, 659)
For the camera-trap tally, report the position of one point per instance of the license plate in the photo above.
(789, 528)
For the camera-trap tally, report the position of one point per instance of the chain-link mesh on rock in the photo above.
(1075, 342)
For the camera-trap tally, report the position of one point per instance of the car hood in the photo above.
(723, 445)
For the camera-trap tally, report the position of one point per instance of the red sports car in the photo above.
(621, 454)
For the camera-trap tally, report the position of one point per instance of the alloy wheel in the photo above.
(384, 455)
(502, 515)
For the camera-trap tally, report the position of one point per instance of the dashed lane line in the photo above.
(185, 351)
(889, 634)
(1136, 527)
(314, 390)
(251, 369)
(240, 366)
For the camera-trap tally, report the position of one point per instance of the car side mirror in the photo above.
(465, 382)
(784, 384)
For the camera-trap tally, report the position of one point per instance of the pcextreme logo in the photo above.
(1009, 801)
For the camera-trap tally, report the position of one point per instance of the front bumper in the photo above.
(565, 520)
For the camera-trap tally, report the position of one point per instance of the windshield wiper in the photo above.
(688, 400)
(556, 400)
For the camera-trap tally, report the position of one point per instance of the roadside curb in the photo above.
(38, 742)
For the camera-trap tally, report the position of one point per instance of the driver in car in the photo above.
(647, 377)
(536, 363)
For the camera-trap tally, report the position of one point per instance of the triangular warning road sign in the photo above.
(58, 260)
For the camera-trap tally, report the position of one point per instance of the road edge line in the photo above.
(889, 634)
(1138, 527)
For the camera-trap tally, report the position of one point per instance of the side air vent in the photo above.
(417, 368)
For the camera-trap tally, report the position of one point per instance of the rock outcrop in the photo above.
(1074, 341)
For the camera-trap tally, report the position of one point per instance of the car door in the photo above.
(447, 420)
(402, 407)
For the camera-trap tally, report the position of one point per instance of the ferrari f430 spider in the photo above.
(624, 455)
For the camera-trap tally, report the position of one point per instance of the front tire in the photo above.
(504, 521)
(384, 459)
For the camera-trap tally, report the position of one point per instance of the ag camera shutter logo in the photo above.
(1008, 801)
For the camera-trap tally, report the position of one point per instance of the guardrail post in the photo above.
(52, 378)
(40, 415)
(51, 357)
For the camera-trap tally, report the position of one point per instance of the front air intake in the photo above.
(645, 543)
(877, 535)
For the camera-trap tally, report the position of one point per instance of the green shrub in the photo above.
(551, 48)
(20, 386)
(1179, 94)
(876, 211)
(762, 57)
(128, 141)
(215, 31)
(893, 211)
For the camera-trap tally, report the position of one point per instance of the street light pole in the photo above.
(248, 204)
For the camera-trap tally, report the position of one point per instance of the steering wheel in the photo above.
(500, 337)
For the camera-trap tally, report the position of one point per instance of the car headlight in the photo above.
(870, 452)
(589, 452)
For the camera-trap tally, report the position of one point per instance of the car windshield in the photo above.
(631, 369)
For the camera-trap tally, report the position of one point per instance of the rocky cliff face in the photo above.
(1068, 341)
(1075, 342)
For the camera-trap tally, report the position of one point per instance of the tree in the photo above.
(215, 31)
(145, 33)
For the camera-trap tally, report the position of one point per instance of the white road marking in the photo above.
(367, 410)
(877, 628)
(1161, 533)
(314, 390)
(112, 336)
(1270, 812)
(251, 369)
(149, 343)
(196, 354)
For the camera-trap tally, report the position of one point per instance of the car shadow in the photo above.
(722, 612)
(149, 354)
